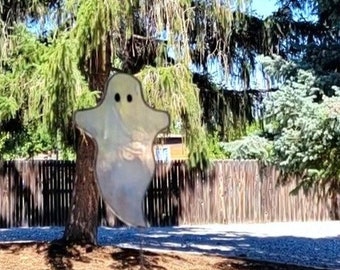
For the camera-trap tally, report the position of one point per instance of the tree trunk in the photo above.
(82, 224)
(335, 208)
(83, 219)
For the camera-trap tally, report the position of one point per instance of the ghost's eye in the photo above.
(129, 98)
(117, 97)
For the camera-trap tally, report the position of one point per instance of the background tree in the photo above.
(302, 116)
(305, 124)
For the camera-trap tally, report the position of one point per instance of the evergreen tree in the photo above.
(303, 116)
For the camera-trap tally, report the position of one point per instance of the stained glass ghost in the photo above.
(123, 127)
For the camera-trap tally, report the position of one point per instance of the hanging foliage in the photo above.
(90, 34)
(180, 99)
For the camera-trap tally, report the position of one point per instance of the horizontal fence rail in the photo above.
(38, 193)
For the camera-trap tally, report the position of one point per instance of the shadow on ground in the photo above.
(317, 252)
(132, 258)
(322, 252)
(58, 256)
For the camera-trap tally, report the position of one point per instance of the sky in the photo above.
(264, 8)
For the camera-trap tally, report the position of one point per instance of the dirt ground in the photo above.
(41, 256)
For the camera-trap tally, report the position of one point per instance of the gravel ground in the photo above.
(314, 244)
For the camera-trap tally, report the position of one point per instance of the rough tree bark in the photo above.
(81, 227)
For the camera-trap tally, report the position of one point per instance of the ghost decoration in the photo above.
(123, 127)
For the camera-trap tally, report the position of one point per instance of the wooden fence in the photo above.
(38, 193)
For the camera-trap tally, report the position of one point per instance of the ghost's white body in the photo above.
(124, 128)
